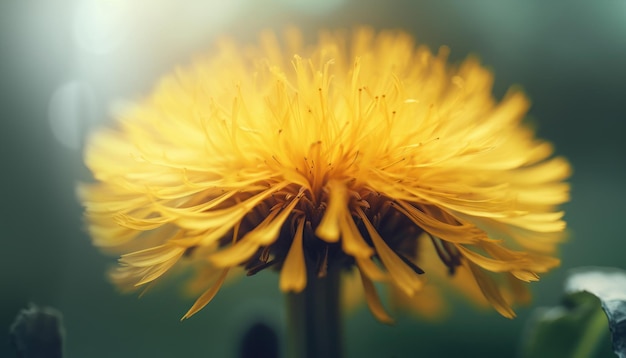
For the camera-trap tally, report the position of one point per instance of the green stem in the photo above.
(596, 330)
(315, 318)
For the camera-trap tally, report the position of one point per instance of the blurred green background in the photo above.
(66, 63)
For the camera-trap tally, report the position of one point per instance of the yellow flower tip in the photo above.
(293, 275)
(363, 151)
(329, 228)
(207, 296)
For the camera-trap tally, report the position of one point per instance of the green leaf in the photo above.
(592, 311)
(609, 285)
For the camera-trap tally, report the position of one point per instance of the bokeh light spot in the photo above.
(99, 25)
(71, 109)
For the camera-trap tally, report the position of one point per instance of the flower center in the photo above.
(398, 232)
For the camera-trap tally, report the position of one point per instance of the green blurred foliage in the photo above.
(590, 322)
(577, 329)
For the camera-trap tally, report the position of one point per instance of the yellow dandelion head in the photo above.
(362, 151)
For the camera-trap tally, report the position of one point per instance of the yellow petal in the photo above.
(491, 264)
(293, 273)
(143, 224)
(154, 272)
(370, 269)
(329, 227)
(373, 301)
(222, 217)
(352, 242)
(519, 290)
(207, 296)
(264, 234)
(405, 277)
(152, 256)
(491, 291)
(237, 253)
(459, 234)
(267, 232)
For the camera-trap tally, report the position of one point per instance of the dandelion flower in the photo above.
(363, 152)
